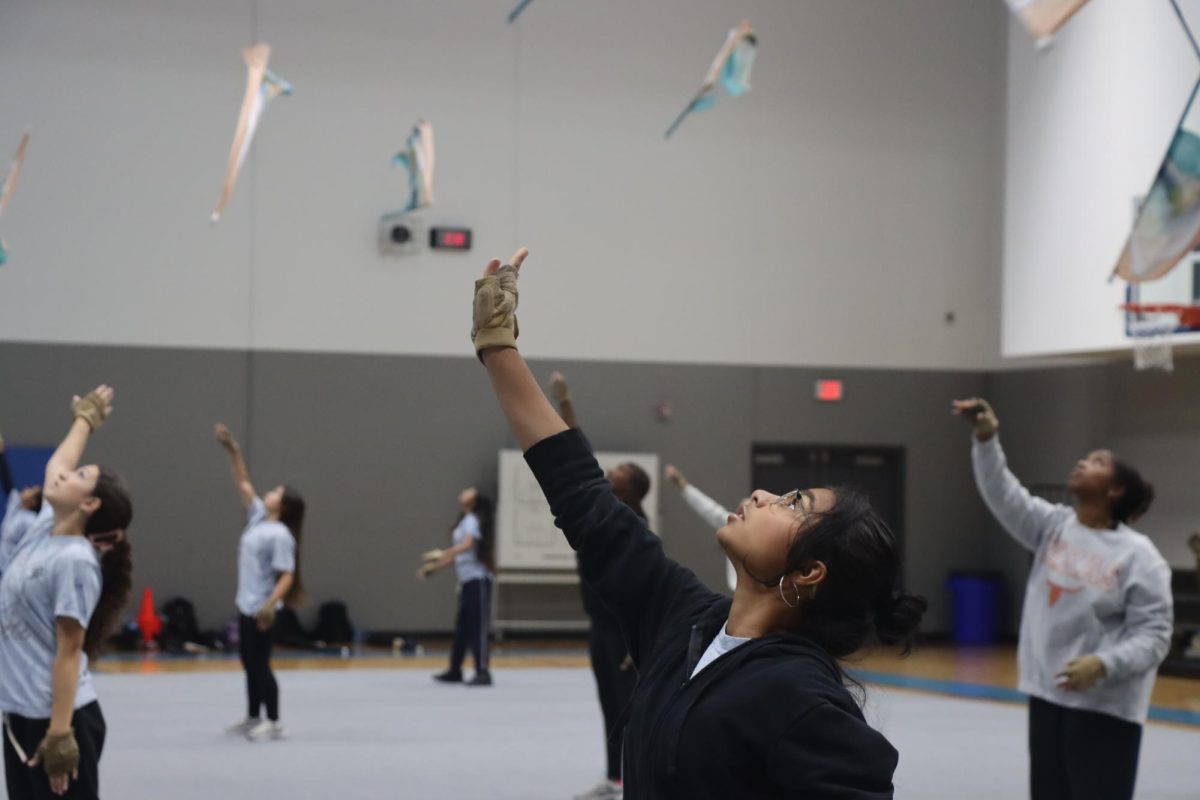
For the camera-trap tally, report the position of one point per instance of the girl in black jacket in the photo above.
(740, 698)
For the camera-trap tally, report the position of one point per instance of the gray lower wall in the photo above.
(381, 445)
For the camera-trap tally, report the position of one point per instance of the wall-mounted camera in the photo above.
(401, 234)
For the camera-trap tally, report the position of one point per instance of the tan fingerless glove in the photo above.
(494, 317)
(90, 409)
(59, 754)
(985, 421)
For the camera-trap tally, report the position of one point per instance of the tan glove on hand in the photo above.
(1081, 674)
(494, 317)
(90, 409)
(58, 754)
(433, 555)
(225, 438)
(266, 616)
(494, 311)
(983, 419)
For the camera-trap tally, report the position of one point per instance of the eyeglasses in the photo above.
(794, 500)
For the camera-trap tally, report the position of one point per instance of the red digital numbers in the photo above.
(450, 238)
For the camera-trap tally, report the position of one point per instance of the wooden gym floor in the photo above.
(988, 673)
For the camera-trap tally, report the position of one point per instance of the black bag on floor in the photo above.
(181, 625)
(333, 624)
(288, 630)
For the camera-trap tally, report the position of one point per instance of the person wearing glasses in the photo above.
(737, 697)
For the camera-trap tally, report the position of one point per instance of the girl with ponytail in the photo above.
(268, 579)
(738, 697)
(60, 597)
(473, 555)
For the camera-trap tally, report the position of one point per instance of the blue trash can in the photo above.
(975, 606)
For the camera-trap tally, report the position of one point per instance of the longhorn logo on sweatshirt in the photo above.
(1057, 591)
(1081, 567)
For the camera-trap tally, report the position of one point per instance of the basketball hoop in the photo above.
(1151, 329)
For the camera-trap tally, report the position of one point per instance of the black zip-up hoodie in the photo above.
(771, 719)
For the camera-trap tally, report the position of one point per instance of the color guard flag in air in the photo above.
(417, 161)
(262, 86)
(730, 69)
(516, 12)
(8, 184)
(1167, 227)
(1043, 18)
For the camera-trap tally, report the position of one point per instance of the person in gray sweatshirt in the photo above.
(1097, 617)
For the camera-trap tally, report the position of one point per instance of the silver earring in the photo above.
(783, 597)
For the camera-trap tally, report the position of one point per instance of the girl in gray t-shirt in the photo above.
(268, 579)
(60, 595)
(471, 554)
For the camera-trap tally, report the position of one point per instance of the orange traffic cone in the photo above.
(147, 618)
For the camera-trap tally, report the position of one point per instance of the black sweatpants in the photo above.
(30, 783)
(471, 626)
(1081, 755)
(614, 685)
(254, 646)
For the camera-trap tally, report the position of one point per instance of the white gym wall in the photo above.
(863, 171)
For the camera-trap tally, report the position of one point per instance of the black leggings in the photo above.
(30, 783)
(255, 649)
(1081, 755)
(471, 625)
(615, 679)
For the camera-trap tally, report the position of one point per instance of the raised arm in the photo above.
(241, 476)
(562, 396)
(709, 510)
(494, 332)
(1026, 518)
(90, 413)
(618, 555)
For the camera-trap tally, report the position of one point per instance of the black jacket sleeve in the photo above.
(6, 481)
(831, 753)
(618, 555)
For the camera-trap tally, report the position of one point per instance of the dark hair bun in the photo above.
(1138, 495)
(897, 618)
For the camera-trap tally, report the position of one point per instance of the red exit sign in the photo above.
(450, 238)
(829, 391)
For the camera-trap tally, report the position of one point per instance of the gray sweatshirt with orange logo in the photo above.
(1090, 592)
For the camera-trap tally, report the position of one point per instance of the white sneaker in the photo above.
(605, 790)
(245, 726)
(265, 731)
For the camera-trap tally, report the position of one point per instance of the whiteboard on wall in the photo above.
(525, 534)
